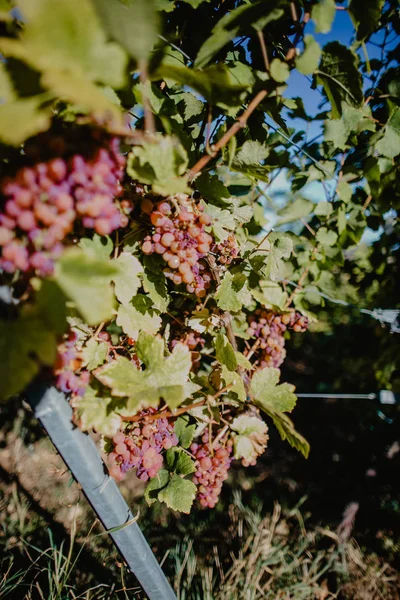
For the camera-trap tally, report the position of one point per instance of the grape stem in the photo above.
(180, 411)
(238, 124)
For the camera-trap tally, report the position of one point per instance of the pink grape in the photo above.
(140, 446)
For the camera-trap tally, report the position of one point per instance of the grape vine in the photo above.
(144, 280)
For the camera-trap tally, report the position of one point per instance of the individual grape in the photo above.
(43, 201)
(140, 447)
(269, 328)
(179, 236)
(212, 466)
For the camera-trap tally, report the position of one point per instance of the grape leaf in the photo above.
(127, 281)
(295, 210)
(389, 144)
(133, 23)
(287, 432)
(94, 354)
(86, 281)
(234, 381)
(161, 163)
(178, 494)
(67, 37)
(323, 15)
(250, 438)
(163, 378)
(97, 412)
(233, 293)
(271, 264)
(184, 431)
(279, 70)
(308, 61)
(20, 119)
(247, 161)
(100, 246)
(214, 83)
(133, 321)
(228, 27)
(224, 352)
(25, 345)
(339, 74)
(155, 485)
(267, 394)
(365, 14)
(179, 462)
(326, 237)
(323, 209)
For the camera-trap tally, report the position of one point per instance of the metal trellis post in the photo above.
(82, 458)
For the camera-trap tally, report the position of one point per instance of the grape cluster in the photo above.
(41, 202)
(66, 367)
(179, 236)
(269, 328)
(193, 340)
(140, 447)
(226, 251)
(212, 466)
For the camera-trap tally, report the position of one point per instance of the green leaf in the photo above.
(163, 378)
(268, 259)
(232, 293)
(97, 412)
(323, 209)
(389, 144)
(326, 237)
(76, 88)
(267, 394)
(214, 83)
(184, 430)
(323, 15)
(195, 3)
(155, 485)
(178, 494)
(228, 27)
(344, 191)
(50, 306)
(161, 162)
(247, 161)
(308, 61)
(127, 281)
(287, 432)
(340, 76)
(133, 321)
(212, 189)
(235, 383)
(100, 246)
(279, 70)
(94, 354)
(270, 294)
(366, 15)
(20, 119)
(86, 280)
(25, 346)
(224, 352)
(155, 285)
(250, 439)
(133, 23)
(295, 210)
(179, 462)
(67, 37)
